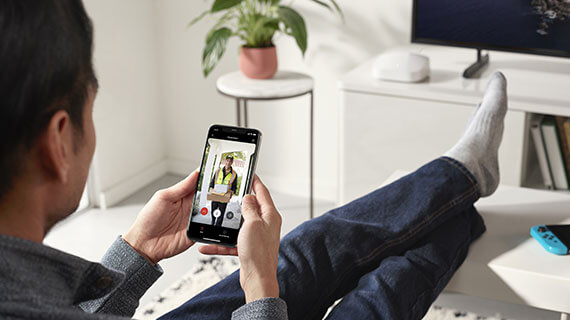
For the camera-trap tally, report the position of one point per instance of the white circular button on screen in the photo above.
(217, 213)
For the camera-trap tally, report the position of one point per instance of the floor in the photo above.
(89, 233)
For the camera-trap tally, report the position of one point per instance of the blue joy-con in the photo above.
(548, 240)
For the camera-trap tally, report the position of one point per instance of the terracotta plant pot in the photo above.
(258, 63)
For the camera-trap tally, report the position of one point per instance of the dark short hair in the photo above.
(229, 156)
(45, 66)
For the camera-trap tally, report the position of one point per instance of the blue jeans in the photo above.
(388, 254)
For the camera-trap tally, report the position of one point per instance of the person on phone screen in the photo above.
(225, 179)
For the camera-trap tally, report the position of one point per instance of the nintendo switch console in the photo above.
(554, 238)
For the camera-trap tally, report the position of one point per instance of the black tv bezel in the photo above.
(482, 46)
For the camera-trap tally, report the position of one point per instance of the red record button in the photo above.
(204, 211)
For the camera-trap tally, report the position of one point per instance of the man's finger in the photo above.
(182, 188)
(250, 208)
(268, 211)
(212, 249)
(262, 194)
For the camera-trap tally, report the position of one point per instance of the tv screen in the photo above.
(527, 26)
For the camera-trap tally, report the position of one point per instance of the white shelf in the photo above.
(506, 264)
(535, 84)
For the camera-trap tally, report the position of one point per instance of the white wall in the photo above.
(192, 103)
(128, 115)
(154, 105)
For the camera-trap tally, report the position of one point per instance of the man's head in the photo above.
(47, 87)
(229, 161)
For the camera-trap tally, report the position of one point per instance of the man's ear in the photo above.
(56, 146)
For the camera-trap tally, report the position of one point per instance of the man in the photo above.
(388, 254)
(47, 89)
(225, 176)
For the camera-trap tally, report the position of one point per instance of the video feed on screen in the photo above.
(222, 183)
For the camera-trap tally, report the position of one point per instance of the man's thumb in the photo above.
(250, 208)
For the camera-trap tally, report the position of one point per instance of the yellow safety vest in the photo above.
(228, 180)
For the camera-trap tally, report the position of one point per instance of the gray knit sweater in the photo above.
(39, 282)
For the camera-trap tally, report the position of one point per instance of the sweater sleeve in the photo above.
(139, 273)
(262, 309)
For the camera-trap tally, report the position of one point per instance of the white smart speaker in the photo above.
(401, 66)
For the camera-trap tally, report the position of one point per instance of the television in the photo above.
(526, 26)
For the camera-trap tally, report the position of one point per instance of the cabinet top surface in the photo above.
(535, 83)
(509, 214)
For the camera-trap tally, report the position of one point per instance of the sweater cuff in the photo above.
(137, 269)
(262, 309)
(139, 273)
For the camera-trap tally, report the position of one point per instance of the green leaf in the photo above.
(220, 5)
(198, 18)
(295, 26)
(337, 7)
(260, 33)
(319, 2)
(215, 47)
(326, 5)
(224, 19)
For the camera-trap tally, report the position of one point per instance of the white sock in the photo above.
(478, 148)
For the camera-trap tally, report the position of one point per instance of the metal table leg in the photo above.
(563, 316)
(238, 112)
(311, 200)
(311, 139)
(245, 112)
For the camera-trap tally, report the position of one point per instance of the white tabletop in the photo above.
(535, 83)
(506, 263)
(283, 84)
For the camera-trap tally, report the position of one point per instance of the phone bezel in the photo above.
(220, 132)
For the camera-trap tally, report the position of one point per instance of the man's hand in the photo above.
(159, 231)
(258, 244)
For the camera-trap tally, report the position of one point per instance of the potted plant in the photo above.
(255, 22)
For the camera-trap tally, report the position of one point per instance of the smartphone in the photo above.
(554, 238)
(226, 173)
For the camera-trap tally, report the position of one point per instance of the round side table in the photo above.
(284, 85)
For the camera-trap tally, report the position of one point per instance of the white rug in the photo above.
(209, 271)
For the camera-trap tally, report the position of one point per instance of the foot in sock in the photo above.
(478, 148)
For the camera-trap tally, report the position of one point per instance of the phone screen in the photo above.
(228, 165)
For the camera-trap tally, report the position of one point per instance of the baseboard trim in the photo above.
(181, 167)
(127, 187)
(299, 186)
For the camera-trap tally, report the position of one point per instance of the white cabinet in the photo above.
(386, 126)
(505, 263)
